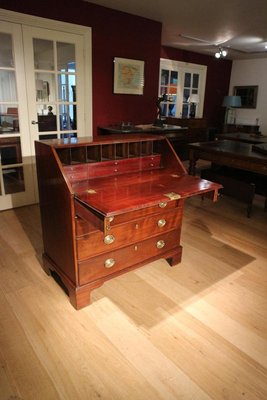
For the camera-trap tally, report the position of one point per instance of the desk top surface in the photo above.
(244, 137)
(141, 128)
(114, 195)
(231, 148)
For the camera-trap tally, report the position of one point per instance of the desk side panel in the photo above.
(57, 212)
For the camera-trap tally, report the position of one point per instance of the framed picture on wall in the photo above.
(128, 76)
(248, 95)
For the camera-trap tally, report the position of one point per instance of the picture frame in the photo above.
(128, 76)
(248, 95)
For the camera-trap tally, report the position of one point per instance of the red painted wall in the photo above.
(217, 83)
(117, 34)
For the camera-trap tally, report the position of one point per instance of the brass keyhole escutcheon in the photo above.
(161, 222)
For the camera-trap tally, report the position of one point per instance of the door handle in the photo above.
(35, 123)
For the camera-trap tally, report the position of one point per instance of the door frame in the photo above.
(84, 31)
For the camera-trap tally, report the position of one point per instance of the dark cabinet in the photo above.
(232, 128)
(47, 123)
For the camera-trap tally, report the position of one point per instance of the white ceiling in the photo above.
(207, 24)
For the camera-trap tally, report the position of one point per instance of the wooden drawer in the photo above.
(84, 215)
(148, 211)
(127, 233)
(101, 266)
(115, 167)
(86, 221)
(112, 167)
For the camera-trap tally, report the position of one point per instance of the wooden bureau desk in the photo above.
(110, 205)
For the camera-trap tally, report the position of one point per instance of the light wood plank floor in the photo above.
(195, 331)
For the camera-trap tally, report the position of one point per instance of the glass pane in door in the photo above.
(45, 87)
(67, 115)
(8, 88)
(9, 118)
(172, 109)
(43, 54)
(164, 77)
(6, 50)
(169, 90)
(195, 80)
(185, 111)
(46, 118)
(66, 87)
(66, 64)
(6, 53)
(66, 57)
(11, 168)
(11, 165)
(174, 78)
(186, 95)
(55, 87)
(187, 79)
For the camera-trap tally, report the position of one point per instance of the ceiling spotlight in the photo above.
(221, 53)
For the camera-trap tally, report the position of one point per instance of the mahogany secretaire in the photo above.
(110, 205)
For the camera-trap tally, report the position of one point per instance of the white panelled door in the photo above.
(16, 172)
(54, 76)
(45, 92)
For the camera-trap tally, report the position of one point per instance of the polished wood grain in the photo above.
(113, 195)
(197, 331)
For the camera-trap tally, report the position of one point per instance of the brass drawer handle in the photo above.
(109, 239)
(160, 244)
(162, 204)
(109, 263)
(161, 222)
